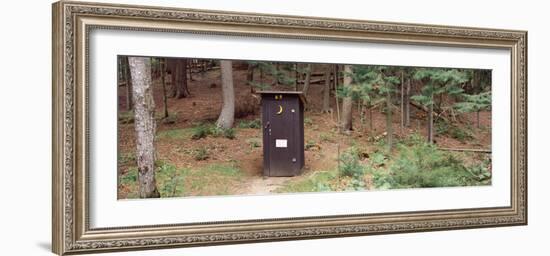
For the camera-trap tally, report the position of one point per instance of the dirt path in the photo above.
(258, 185)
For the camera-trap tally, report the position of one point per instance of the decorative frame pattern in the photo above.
(72, 22)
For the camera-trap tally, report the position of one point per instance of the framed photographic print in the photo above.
(177, 127)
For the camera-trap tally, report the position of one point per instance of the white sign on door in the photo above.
(280, 143)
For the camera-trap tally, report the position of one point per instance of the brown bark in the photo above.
(189, 69)
(275, 75)
(335, 68)
(402, 102)
(181, 79)
(326, 91)
(250, 74)
(478, 121)
(227, 114)
(406, 104)
(389, 121)
(307, 80)
(144, 116)
(171, 66)
(296, 77)
(371, 127)
(261, 75)
(129, 102)
(163, 80)
(431, 123)
(347, 102)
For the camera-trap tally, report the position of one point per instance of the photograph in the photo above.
(192, 127)
(180, 126)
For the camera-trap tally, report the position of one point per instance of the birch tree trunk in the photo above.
(347, 102)
(144, 115)
(227, 115)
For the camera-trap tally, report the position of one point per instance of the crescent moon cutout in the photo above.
(280, 110)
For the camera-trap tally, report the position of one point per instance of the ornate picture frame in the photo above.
(72, 23)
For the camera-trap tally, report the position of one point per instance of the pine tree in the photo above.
(281, 74)
(474, 103)
(437, 82)
(371, 85)
(362, 90)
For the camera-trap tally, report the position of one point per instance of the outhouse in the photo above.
(283, 132)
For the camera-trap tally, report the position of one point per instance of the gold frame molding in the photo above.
(72, 22)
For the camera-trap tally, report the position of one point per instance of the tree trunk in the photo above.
(250, 74)
(181, 79)
(431, 123)
(144, 116)
(389, 123)
(204, 64)
(296, 76)
(335, 68)
(307, 81)
(402, 102)
(227, 115)
(478, 123)
(371, 127)
(360, 109)
(474, 82)
(171, 65)
(189, 69)
(275, 75)
(120, 70)
(261, 75)
(347, 102)
(326, 91)
(129, 101)
(163, 80)
(407, 104)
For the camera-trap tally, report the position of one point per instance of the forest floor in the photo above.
(216, 165)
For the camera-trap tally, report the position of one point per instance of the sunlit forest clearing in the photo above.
(365, 127)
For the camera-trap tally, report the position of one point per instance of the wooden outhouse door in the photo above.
(282, 134)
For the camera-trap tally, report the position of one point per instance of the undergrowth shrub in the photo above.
(201, 154)
(461, 134)
(349, 164)
(202, 130)
(482, 171)
(126, 117)
(254, 142)
(227, 133)
(420, 164)
(252, 124)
